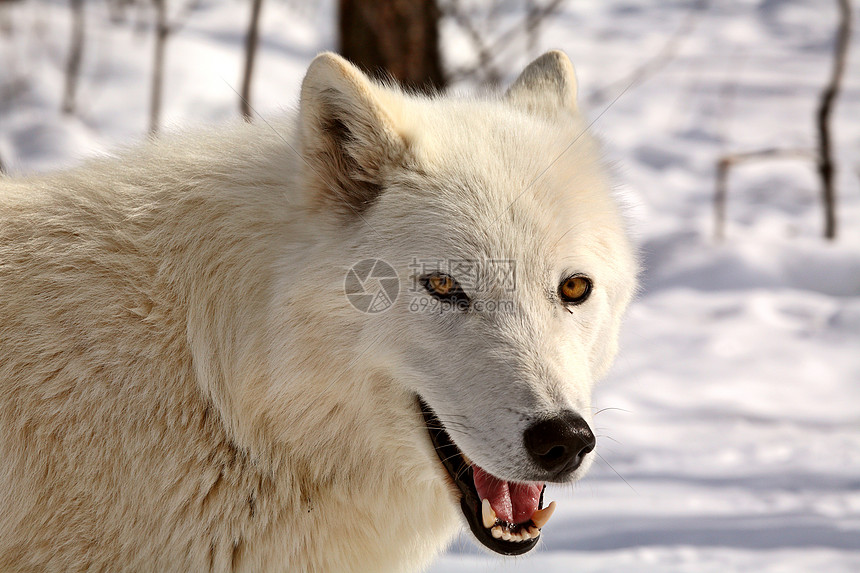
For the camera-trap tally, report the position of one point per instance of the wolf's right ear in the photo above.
(546, 86)
(347, 134)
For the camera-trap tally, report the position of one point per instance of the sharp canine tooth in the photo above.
(497, 531)
(541, 516)
(487, 514)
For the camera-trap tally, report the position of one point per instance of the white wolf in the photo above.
(187, 384)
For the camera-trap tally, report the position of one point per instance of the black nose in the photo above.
(559, 444)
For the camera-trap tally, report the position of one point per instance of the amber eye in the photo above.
(445, 288)
(441, 285)
(575, 289)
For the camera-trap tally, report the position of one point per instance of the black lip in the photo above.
(461, 473)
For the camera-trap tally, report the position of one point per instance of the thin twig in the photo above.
(727, 161)
(251, 40)
(76, 50)
(163, 29)
(488, 51)
(826, 164)
(182, 17)
(823, 156)
(485, 55)
(653, 65)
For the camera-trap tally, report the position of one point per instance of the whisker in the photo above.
(449, 415)
(605, 437)
(618, 474)
(451, 457)
(565, 150)
(461, 472)
(619, 409)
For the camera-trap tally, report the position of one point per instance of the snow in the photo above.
(729, 429)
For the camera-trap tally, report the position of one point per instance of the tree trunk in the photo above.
(396, 38)
(76, 50)
(251, 40)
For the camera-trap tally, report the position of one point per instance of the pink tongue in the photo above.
(512, 501)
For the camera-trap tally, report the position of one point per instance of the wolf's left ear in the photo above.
(546, 86)
(347, 133)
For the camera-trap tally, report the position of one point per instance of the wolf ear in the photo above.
(546, 86)
(347, 136)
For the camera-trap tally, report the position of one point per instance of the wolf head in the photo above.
(498, 226)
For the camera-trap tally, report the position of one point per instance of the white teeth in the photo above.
(487, 514)
(499, 531)
(524, 535)
(541, 516)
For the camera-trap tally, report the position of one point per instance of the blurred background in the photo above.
(729, 429)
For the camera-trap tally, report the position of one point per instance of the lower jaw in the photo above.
(461, 473)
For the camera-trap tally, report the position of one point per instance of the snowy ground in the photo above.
(731, 441)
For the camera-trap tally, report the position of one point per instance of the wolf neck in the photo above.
(322, 367)
(269, 341)
(381, 481)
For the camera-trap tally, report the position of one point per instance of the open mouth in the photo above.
(506, 517)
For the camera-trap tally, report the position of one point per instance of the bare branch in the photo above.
(182, 17)
(532, 26)
(251, 40)
(823, 155)
(653, 65)
(488, 51)
(161, 32)
(163, 29)
(485, 54)
(727, 161)
(533, 18)
(76, 50)
(826, 165)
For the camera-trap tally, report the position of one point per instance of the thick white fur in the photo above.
(184, 385)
